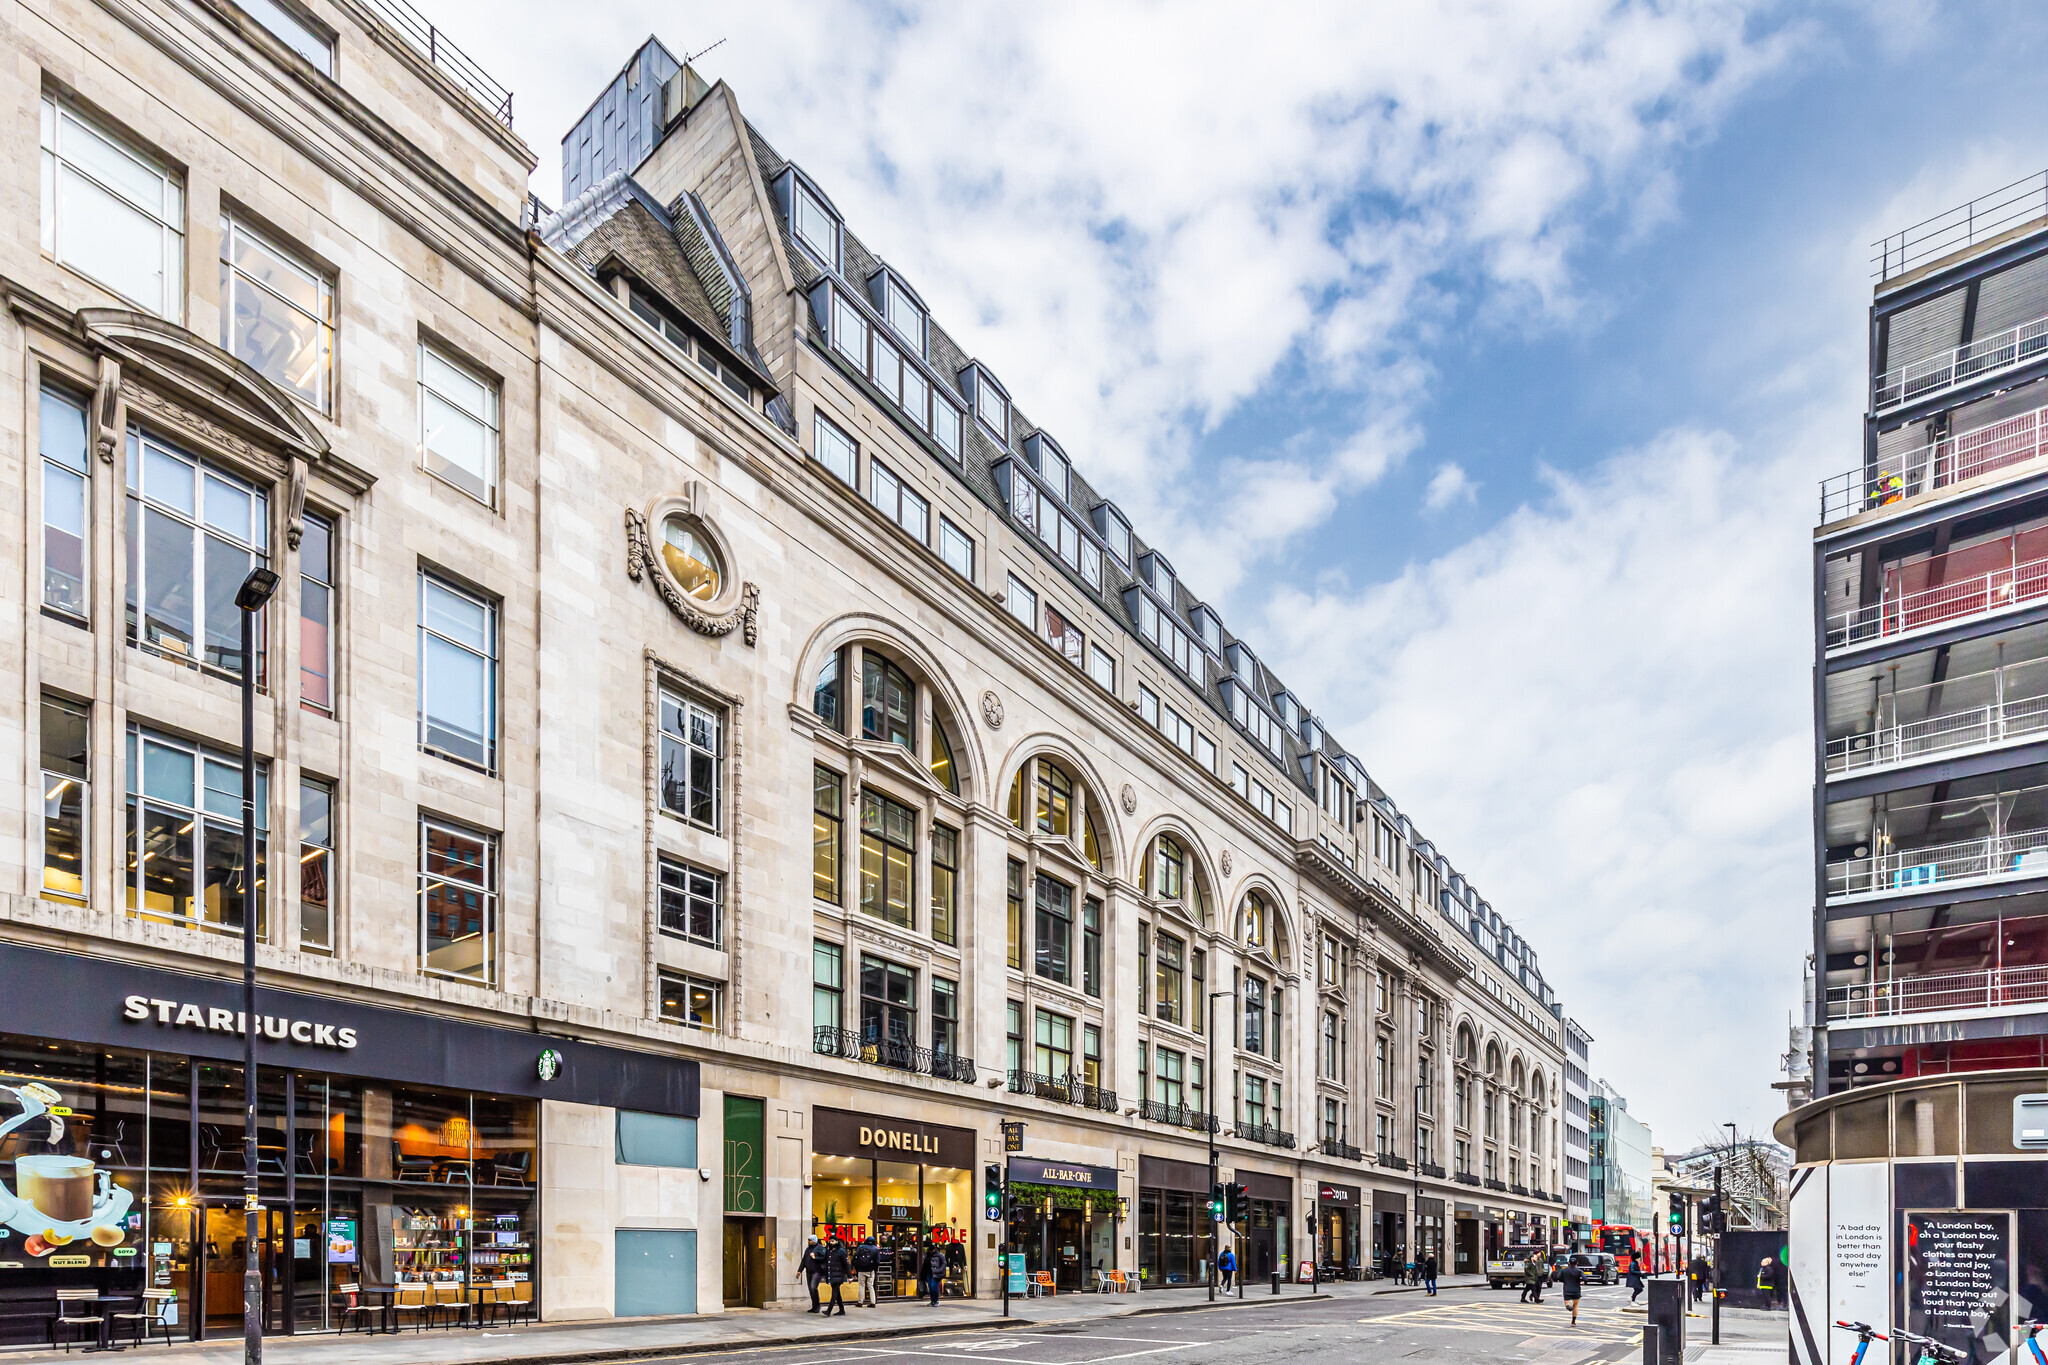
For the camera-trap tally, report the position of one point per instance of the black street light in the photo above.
(1209, 1087)
(250, 598)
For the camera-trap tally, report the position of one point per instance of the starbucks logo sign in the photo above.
(550, 1064)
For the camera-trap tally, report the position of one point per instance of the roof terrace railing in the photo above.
(1904, 474)
(1998, 706)
(1994, 857)
(1975, 359)
(1991, 989)
(435, 47)
(1961, 227)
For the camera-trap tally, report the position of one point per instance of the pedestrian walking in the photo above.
(838, 1270)
(1226, 1268)
(1429, 1275)
(1696, 1271)
(1570, 1281)
(1532, 1279)
(1767, 1281)
(866, 1257)
(812, 1268)
(1634, 1279)
(935, 1272)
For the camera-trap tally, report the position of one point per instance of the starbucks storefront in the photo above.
(393, 1148)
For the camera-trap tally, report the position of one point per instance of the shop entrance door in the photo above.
(1068, 1239)
(1466, 1260)
(896, 1265)
(225, 1252)
(1260, 1256)
(749, 1280)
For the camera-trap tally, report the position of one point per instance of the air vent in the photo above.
(2030, 1123)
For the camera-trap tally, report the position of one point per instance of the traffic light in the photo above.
(1216, 1202)
(1239, 1201)
(992, 1193)
(1711, 1217)
(1677, 1214)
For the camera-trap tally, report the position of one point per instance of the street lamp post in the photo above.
(1415, 1212)
(250, 599)
(1209, 1088)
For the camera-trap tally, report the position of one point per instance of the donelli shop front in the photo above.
(907, 1184)
(393, 1147)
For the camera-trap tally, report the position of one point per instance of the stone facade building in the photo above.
(653, 573)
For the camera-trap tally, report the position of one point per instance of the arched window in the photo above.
(1255, 924)
(1493, 1060)
(1053, 803)
(1518, 1075)
(825, 695)
(942, 757)
(887, 699)
(1468, 1047)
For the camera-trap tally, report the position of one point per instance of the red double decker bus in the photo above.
(1623, 1243)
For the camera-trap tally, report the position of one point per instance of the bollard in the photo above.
(1276, 1282)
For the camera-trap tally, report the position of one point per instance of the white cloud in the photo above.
(1449, 484)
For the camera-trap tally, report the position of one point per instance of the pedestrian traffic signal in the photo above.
(1216, 1202)
(1238, 1200)
(1712, 1219)
(1677, 1214)
(992, 1193)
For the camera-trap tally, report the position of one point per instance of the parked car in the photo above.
(1598, 1266)
(1505, 1266)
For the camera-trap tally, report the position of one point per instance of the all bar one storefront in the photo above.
(1063, 1217)
(393, 1147)
(901, 1182)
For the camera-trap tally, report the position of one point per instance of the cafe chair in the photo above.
(414, 1301)
(67, 1319)
(354, 1308)
(511, 1168)
(149, 1319)
(511, 1303)
(450, 1307)
(411, 1167)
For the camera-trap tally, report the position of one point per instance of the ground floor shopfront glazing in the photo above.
(908, 1185)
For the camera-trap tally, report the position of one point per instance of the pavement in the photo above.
(1343, 1322)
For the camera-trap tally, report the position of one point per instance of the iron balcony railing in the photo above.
(1069, 1089)
(1902, 474)
(1179, 1115)
(1900, 612)
(1262, 1132)
(901, 1056)
(1974, 711)
(1962, 227)
(1434, 1172)
(1332, 1147)
(1986, 990)
(1466, 1178)
(1500, 1185)
(1393, 1162)
(1994, 857)
(1518, 1189)
(432, 44)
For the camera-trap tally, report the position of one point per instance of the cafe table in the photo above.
(389, 1294)
(106, 1303)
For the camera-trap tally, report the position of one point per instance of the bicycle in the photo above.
(1932, 1352)
(2033, 1345)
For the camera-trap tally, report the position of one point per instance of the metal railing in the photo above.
(1430, 1169)
(1943, 370)
(1179, 1115)
(1500, 1185)
(432, 44)
(1518, 1189)
(1332, 1147)
(1990, 989)
(1466, 1178)
(1262, 1132)
(900, 1056)
(1978, 709)
(1963, 226)
(1393, 1161)
(1068, 1089)
(1898, 613)
(1938, 464)
(2016, 853)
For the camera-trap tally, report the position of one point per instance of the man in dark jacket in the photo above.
(1429, 1275)
(812, 1268)
(1696, 1271)
(866, 1257)
(838, 1270)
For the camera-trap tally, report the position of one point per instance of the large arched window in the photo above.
(890, 700)
(1169, 873)
(886, 698)
(1255, 921)
(1053, 806)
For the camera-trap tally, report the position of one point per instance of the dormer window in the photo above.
(991, 404)
(946, 424)
(1156, 571)
(1052, 465)
(1209, 626)
(1115, 532)
(812, 222)
(905, 315)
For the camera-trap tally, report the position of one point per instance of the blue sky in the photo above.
(1479, 358)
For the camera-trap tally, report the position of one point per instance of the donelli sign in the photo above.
(838, 1132)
